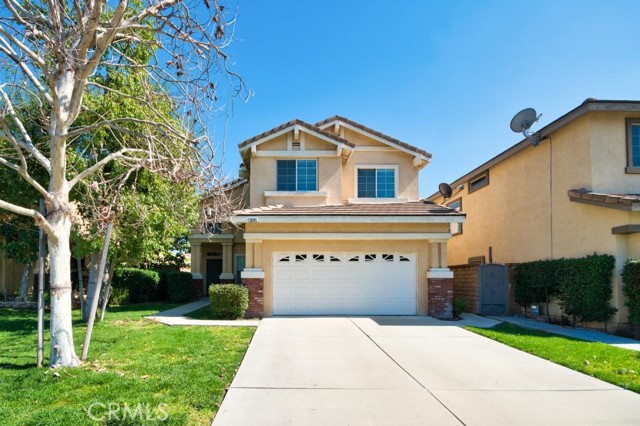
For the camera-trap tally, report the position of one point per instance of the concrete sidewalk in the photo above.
(402, 371)
(176, 316)
(576, 333)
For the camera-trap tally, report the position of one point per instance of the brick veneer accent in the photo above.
(441, 298)
(196, 288)
(466, 285)
(256, 297)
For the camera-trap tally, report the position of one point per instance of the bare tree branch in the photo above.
(37, 217)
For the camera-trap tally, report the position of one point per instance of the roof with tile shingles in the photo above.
(412, 208)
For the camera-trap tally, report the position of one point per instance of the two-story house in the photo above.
(575, 193)
(332, 224)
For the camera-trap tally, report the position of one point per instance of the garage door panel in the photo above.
(344, 283)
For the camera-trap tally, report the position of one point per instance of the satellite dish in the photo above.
(522, 122)
(445, 190)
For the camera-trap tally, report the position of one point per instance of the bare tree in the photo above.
(53, 55)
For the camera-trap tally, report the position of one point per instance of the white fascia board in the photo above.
(297, 154)
(262, 236)
(376, 138)
(204, 238)
(296, 194)
(348, 219)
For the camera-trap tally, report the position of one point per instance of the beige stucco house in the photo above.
(332, 224)
(576, 193)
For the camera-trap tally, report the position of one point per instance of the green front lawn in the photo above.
(618, 366)
(132, 361)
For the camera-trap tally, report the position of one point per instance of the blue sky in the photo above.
(446, 76)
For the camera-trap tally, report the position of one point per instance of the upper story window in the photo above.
(633, 145)
(376, 182)
(456, 228)
(479, 181)
(297, 175)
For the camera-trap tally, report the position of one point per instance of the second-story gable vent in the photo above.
(295, 145)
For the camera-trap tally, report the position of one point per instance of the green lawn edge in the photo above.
(614, 365)
(132, 361)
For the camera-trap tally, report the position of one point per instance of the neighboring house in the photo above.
(333, 224)
(574, 194)
(11, 276)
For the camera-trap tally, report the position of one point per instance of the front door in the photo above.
(214, 269)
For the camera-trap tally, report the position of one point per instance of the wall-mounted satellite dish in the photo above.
(445, 190)
(522, 122)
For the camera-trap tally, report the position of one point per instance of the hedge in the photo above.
(536, 282)
(631, 289)
(228, 301)
(582, 286)
(178, 286)
(141, 283)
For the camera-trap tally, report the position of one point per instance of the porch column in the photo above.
(227, 258)
(197, 280)
(440, 282)
(253, 278)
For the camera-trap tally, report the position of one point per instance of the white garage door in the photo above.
(344, 283)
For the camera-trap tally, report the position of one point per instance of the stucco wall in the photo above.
(525, 214)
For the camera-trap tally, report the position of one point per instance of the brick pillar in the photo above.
(441, 298)
(197, 288)
(256, 297)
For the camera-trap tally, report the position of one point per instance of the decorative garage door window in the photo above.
(366, 257)
(361, 283)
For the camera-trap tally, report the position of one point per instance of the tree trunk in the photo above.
(91, 285)
(63, 352)
(24, 283)
(80, 285)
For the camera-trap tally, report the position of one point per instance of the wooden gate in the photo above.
(494, 289)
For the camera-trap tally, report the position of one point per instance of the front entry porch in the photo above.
(215, 259)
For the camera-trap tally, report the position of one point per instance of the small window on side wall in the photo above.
(633, 145)
(456, 228)
(480, 181)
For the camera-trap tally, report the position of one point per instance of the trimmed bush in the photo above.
(631, 288)
(118, 296)
(163, 291)
(459, 306)
(141, 283)
(585, 288)
(228, 301)
(178, 286)
(536, 282)
(582, 286)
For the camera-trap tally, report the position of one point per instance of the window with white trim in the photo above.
(376, 182)
(633, 145)
(456, 228)
(297, 175)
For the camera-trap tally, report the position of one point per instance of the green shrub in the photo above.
(228, 301)
(585, 288)
(179, 286)
(163, 292)
(631, 288)
(582, 286)
(141, 283)
(119, 296)
(459, 306)
(536, 282)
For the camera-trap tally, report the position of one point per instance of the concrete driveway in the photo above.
(407, 371)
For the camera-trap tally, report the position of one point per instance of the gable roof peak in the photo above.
(376, 134)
